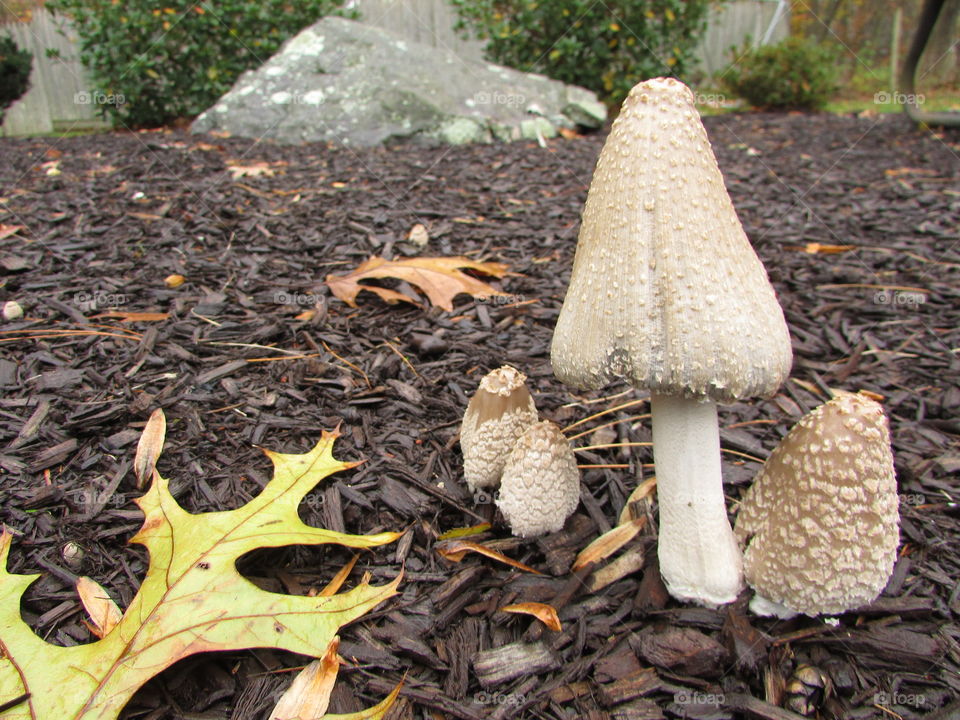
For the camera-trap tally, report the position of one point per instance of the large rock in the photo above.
(346, 82)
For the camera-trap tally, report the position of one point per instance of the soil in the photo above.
(855, 218)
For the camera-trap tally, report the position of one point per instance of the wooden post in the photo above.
(895, 50)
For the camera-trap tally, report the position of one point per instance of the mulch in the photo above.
(240, 362)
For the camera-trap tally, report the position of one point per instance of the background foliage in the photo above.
(795, 74)
(15, 67)
(159, 60)
(607, 47)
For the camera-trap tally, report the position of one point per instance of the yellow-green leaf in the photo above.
(192, 599)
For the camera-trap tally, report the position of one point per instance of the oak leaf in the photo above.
(440, 278)
(192, 599)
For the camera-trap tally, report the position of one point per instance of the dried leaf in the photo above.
(193, 599)
(149, 447)
(630, 562)
(608, 543)
(134, 316)
(814, 248)
(454, 550)
(260, 169)
(337, 581)
(103, 611)
(547, 614)
(308, 696)
(174, 281)
(8, 230)
(464, 532)
(418, 235)
(643, 491)
(440, 278)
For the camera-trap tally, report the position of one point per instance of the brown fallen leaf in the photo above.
(440, 278)
(454, 550)
(547, 614)
(8, 230)
(337, 581)
(640, 493)
(103, 611)
(608, 543)
(418, 235)
(149, 448)
(815, 248)
(630, 562)
(308, 696)
(174, 281)
(123, 316)
(464, 532)
(260, 169)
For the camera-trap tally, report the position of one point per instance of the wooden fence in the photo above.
(60, 97)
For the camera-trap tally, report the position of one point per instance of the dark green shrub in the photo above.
(607, 47)
(795, 74)
(158, 60)
(15, 67)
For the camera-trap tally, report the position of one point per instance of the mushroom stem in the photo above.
(699, 557)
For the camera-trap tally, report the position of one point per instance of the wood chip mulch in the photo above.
(236, 364)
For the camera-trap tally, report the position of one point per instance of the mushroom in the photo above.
(496, 416)
(820, 524)
(540, 487)
(667, 292)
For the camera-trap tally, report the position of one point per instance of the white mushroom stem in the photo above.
(699, 557)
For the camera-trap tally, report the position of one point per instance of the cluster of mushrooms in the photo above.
(667, 293)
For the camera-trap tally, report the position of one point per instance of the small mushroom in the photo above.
(540, 487)
(496, 416)
(820, 524)
(667, 293)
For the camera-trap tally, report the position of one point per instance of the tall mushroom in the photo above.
(820, 524)
(667, 292)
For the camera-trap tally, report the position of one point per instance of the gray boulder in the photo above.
(346, 82)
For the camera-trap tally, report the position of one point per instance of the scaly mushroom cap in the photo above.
(496, 416)
(540, 487)
(666, 290)
(820, 524)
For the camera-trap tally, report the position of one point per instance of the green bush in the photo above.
(15, 67)
(158, 60)
(607, 47)
(792, 75)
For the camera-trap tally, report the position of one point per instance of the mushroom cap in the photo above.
(666, 290)
(497, 414)
(540, 487)
(820, 524)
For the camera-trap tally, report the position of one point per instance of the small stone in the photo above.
(12, 310)
(537, 127)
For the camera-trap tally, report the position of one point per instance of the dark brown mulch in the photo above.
(127, 210)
